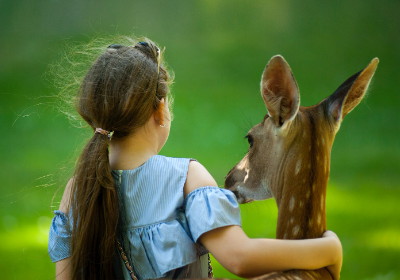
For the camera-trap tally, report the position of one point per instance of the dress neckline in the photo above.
(138, 167)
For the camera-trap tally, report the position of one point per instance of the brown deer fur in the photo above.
(289, 154)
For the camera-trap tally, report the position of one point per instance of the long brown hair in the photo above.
(119, 93)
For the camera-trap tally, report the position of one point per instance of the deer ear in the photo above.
(351, 92)
(280, 91)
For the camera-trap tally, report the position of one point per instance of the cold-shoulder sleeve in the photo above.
(208, 208)
(59, 237)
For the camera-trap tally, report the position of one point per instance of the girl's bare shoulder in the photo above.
(64, 205)
(197, 177)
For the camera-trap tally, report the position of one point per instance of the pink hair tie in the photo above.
(104, 132)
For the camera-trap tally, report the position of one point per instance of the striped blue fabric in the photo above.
(208, 208)
(161, 227)
(59, 237)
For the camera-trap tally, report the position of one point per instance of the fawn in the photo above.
(289, 154)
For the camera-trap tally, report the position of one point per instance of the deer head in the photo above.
(289, 153)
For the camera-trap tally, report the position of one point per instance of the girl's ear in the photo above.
(159, 113)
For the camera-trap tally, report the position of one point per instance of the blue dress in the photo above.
(160, 227)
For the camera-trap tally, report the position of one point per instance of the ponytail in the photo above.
(95, 213)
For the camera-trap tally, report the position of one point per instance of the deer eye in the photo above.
(250, 140)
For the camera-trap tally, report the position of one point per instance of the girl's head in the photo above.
(125, 86)
(122, 90)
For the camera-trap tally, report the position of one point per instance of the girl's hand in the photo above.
(335, 268)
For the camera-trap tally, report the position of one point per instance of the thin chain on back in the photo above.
(131, 272)
(210, 269)
(124, 258)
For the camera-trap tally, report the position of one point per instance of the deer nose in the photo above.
(236, 193)
(230, 182)
(234, 178)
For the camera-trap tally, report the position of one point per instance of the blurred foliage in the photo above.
(217, 50)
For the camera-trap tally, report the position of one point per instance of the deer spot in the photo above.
(298, 167)
(296, 230)
(319, 219)
(292, 203)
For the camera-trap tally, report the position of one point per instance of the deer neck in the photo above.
(301, 200)
(302, 216)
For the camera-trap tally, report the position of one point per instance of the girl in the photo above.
(128, 212)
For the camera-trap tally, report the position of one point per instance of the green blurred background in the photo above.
(217, 49)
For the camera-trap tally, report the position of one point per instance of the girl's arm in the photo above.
(247, 257)
(63, 270)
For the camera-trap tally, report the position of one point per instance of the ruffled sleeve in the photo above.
(208, 208)
(59, 237)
